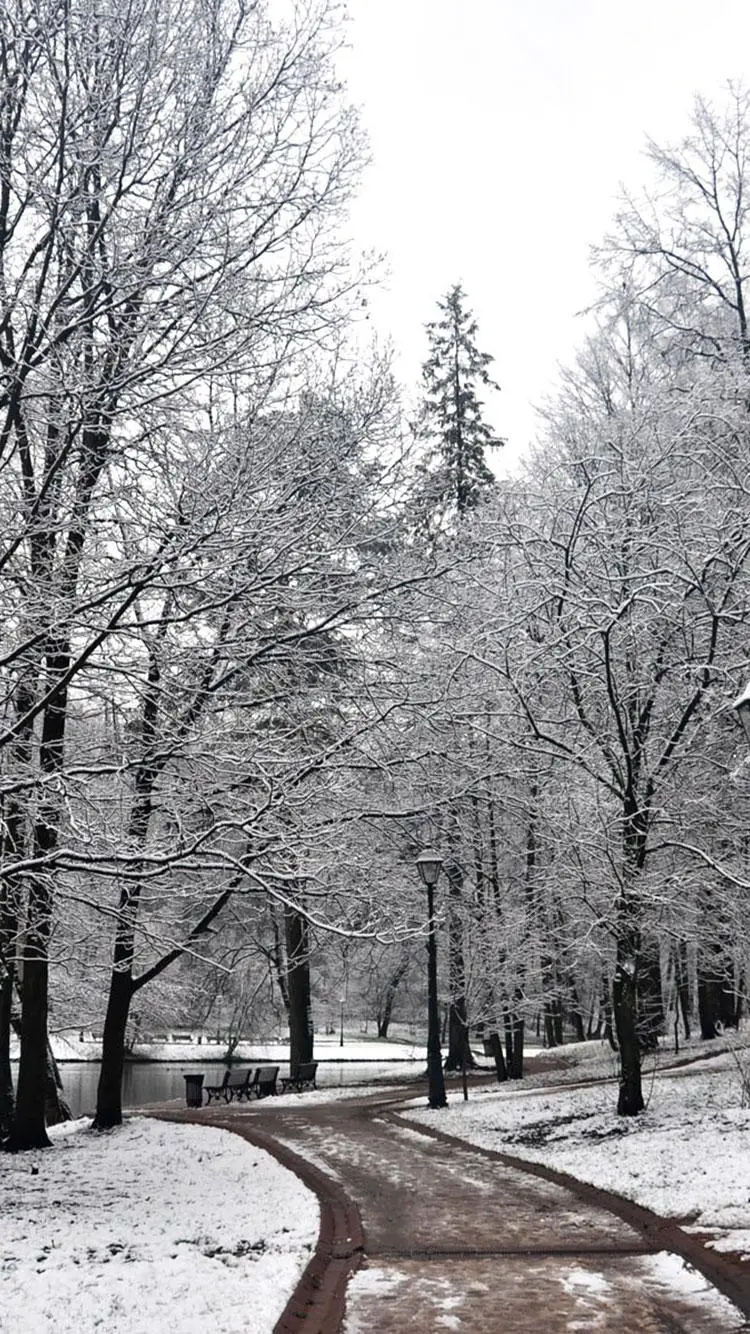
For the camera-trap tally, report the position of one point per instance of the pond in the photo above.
(158, 1082)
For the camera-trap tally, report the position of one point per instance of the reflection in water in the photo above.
(145, 1083)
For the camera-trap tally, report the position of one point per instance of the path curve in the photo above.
(456, 1237)
(317, 1304)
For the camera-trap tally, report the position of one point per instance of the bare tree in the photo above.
(171, 181)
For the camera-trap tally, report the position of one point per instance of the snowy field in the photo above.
(154, 1227)
(686, 1157)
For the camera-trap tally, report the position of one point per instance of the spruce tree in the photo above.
(454, 474)
(451, 481)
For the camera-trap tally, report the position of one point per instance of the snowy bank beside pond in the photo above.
(687, 1156)
(153, 1226)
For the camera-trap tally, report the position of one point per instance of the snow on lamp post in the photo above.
(742, 705)
(429, 864)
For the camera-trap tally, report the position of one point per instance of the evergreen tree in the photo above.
(450, 482)
(454, 475)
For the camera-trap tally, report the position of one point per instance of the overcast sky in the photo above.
(501, 131)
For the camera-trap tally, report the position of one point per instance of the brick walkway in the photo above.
(456, 1238)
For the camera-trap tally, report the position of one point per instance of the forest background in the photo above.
(267, 635)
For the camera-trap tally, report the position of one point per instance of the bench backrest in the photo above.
(267, 1074)
(244, 1077)
(306, 1069)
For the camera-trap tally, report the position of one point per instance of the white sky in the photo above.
(501, 131)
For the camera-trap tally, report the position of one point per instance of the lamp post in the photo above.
(341, 1024)
(429, 864)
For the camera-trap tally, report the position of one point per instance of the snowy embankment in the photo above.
(78, 1045)
(154, 1226)
(687, 1156)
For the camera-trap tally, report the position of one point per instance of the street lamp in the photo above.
(742, 705)
(341, 1025)
(429, 864)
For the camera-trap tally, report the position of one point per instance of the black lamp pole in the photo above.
(428, 865)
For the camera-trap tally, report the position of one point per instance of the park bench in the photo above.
(220, 1090)
(264, 1083)
(242, 1084)
(303, 1078)
(239, 1084)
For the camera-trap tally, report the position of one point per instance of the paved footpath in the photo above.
(454, 1238)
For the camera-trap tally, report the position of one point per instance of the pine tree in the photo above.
(454, 474)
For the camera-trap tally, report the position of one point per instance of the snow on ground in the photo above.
(687, 1156)
(152, 1226)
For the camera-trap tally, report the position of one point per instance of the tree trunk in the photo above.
(459, 1055)
(709, 1004)
(717, 993)
(682, 984)
(12, 848)
(57, 1108)
(514, 1035)
(7, 1101)
(650, 1001)
(575, 1013)
(109, 1091)
(298, 985)
(729, 1002)
(496, 1051)
(385, 1009)
(552, 1007)
(625, 1006)
(9, 921)
(29, 1129)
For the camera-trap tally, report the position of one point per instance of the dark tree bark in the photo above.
(629, 951)
(459, 1055)
(625, 1009)
(57, 1108)
(298, 985)
(28, 1127)
(109, 1091)
(682, 984)
(514, 1035)
(575, 1013)
(630, 1098)
(496, 1051)
(388, 997)
(8, 946)
(718, 1006)
(7, 1100)
(650, 1000)
(12, 843)
(553, 1017)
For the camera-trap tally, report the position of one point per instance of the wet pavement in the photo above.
(457, 1239)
